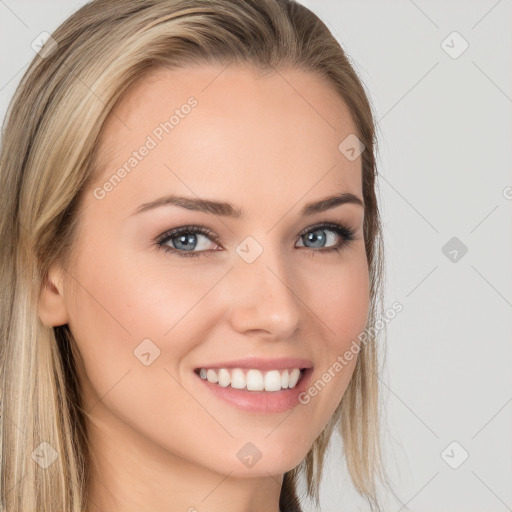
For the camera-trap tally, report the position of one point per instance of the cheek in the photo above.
(121, 300)
(342, 301)
(134, 325)
(134, 321)
(341, 312)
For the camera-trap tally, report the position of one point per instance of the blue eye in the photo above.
(317, 235)
(182, 241)
(186, 237)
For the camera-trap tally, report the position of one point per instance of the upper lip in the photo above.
(262, 364)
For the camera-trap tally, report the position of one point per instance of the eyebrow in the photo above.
(229, 210)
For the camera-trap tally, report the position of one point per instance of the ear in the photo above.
(51, 306)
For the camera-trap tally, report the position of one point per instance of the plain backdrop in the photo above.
(439, 76)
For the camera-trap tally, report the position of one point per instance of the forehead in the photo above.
(212, 128)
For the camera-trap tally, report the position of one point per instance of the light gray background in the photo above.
(445, 137)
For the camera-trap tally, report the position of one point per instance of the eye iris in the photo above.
(188, 241)
(315, 238)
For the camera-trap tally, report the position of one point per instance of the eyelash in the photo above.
(345, 232)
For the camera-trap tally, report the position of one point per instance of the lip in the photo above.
(263, 402)
(281, 363)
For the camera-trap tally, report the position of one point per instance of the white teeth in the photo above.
(294, 377)
(285, 379)
(237, 379)
(255, 381)
(211, 375)
(252, 380)
(224, 378)
(272, 381)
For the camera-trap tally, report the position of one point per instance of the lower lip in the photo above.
(266, 402)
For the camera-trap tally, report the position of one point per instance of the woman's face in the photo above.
(149, 310)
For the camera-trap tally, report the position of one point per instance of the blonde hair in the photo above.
(47, 158)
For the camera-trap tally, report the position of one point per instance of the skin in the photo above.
(160, 440)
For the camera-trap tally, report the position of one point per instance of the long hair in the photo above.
(47, 157)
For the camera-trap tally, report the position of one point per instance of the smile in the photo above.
(256, 391)
(252, 379)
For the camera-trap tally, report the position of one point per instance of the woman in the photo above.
(192, 262)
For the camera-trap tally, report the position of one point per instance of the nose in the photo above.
(263, 300)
